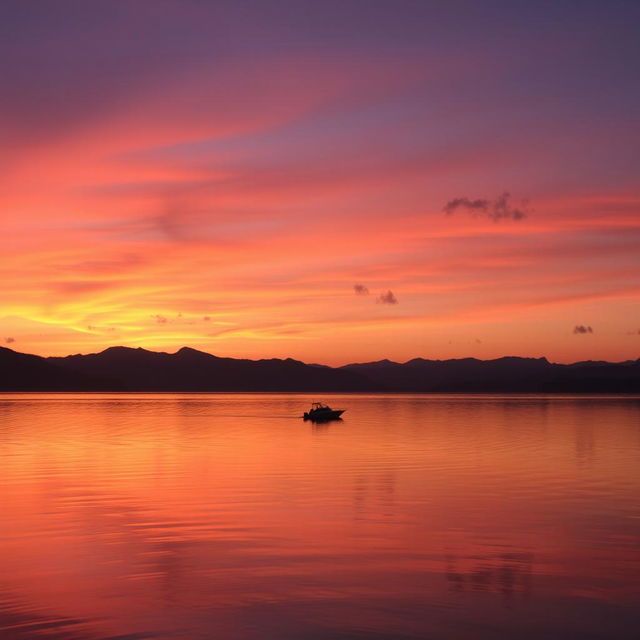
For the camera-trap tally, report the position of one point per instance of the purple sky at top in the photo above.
(535, 65)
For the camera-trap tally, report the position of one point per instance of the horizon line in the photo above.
(185, 347)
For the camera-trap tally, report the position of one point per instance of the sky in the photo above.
(329, 181)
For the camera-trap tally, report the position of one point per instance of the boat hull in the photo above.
(323, 416)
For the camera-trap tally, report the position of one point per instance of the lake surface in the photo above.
(226, 516)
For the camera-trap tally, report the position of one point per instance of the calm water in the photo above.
(224, 516)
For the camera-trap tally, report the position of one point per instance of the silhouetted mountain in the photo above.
(24, 372)
(191, 370)
(509, 374)
(126, 369)
(467, 374)
(621, 377)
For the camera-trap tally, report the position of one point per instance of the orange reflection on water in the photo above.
(227, 516)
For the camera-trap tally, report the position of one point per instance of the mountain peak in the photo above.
(122, 349)
(190, 352)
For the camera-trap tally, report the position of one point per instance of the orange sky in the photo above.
(164, 193)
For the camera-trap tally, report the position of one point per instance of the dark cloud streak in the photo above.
(496, 210)
(387, 298)
(582, 329)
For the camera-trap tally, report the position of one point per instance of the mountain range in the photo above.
(128, 369)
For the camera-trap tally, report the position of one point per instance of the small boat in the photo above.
(320, 412)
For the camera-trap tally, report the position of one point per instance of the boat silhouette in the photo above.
(321, 413)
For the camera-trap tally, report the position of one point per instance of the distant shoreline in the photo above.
(123, 369)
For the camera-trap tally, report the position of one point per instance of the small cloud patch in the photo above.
(387, 298)
(9, 340)
(160, 319)
(582, 329)
(206, 319)
(360, 290)
(499, 209)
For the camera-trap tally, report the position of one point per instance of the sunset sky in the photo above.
(332, 181)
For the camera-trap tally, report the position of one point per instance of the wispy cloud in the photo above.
(496, 210)
(581, 329)
(361, 290)
(387, 298)
(9, 340)
(160, 319)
